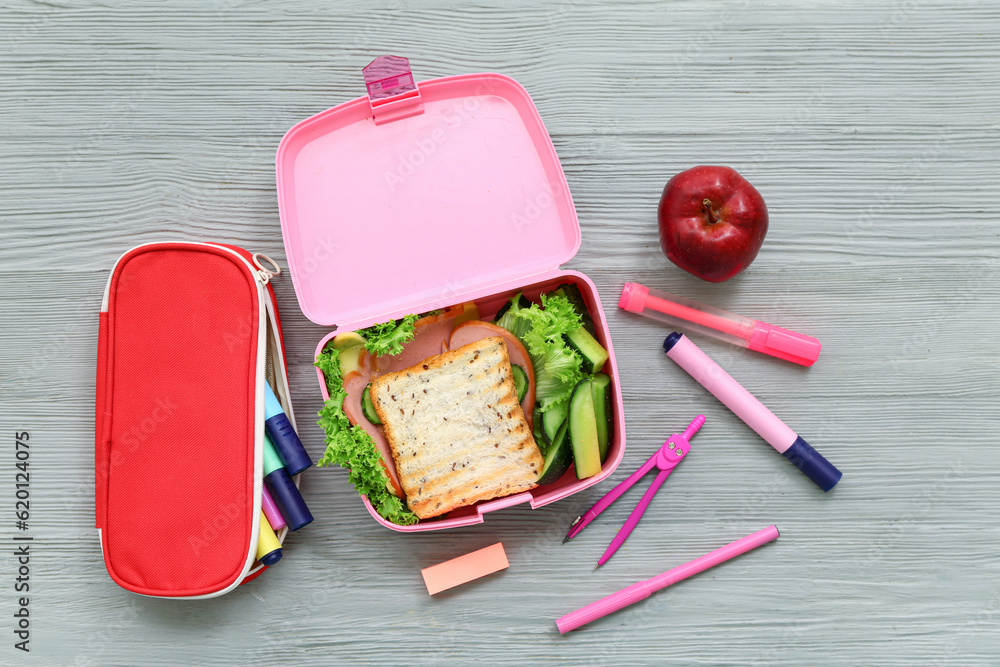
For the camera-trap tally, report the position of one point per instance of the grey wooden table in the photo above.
(870, 128)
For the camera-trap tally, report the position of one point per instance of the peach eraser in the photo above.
(465, 568)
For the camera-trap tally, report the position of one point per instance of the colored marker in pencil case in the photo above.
(283, 436)
(268, 546)
(270, 510)
(283, 490)
(717, 323)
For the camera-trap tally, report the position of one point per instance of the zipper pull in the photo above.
(265, 273)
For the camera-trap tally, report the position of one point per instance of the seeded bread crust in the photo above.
(456, 430)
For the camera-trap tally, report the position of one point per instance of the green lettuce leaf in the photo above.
(352, 448)
(557, 372)
(328, 362)
(556, 318)
(558, 368)
(388, 338)
(513, 321)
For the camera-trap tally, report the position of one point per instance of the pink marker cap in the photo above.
(633, 297)
(784, 344)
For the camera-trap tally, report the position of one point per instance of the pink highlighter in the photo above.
(720, 384)
(717, 323)
(644, 589)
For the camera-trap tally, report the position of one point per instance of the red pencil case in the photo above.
(189, 333)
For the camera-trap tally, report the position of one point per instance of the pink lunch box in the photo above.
(416, 198)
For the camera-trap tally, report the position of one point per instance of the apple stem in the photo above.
(710, 212)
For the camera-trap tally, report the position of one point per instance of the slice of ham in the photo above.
(354, 385)
(470, 332)
(430, 337)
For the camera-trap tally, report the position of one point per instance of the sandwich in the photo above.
(456, 430)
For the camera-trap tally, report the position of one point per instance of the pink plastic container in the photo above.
(415, 198)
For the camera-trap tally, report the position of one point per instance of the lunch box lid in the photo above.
(413, 198)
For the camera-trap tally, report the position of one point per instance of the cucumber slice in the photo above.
(601, 384)
(366, 406)
(553, 418)
(594, 356)
(583, 431)
(540, 438)
(520, 381)
(573, 295)
(558, 458)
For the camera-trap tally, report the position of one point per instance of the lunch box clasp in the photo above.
(392, 92)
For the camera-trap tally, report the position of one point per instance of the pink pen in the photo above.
(717, 323)
(271, 511)
(644, 589)
(710, 375)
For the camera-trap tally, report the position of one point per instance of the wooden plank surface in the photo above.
(871, 128)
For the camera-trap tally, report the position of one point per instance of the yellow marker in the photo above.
(268, 546)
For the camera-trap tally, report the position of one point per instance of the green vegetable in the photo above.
(541, 439)
(583, 431)
(549, 323)
(520, 381)
(572, 292)
(388, 338)
(558, 368)
(601, 384)
(509, 317)
(557, 372)
(367, 407)
(587, 346)
(558, 457)
(553, 418)
(328, 362)
(351, 447)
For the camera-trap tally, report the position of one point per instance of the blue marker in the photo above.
(283, 436)
(283, 490)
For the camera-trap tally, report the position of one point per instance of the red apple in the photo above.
(712, 222)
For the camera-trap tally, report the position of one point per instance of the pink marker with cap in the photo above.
(721, 384)
(717, 323)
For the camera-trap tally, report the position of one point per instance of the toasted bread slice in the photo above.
(456, 430)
